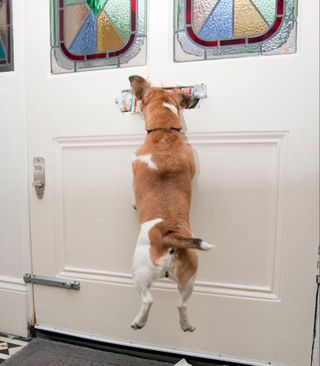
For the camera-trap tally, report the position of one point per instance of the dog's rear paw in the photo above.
(133, 205)
(188, 328)
(136, 326)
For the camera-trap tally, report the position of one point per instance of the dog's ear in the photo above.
(183, 99)
(139, 86)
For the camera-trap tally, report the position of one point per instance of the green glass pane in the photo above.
(176, 12)
(142, 17)
(118, 12)
(295, 8)
(71, 2)
(180, 14)
(291, 8)
(96, 5)
(53, 24)
(267, 9)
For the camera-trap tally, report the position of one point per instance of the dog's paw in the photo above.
(133, 205)
(188, 328)
(136, 326)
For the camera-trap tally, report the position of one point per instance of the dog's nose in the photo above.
(132, 77)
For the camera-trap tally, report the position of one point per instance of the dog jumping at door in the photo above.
(163, 168)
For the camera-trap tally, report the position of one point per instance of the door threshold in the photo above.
(138, 350)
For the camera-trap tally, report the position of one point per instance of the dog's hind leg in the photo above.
(147, 300)
(185, 293)
(144, 272)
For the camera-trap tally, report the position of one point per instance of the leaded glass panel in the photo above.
(209, 29)
(90, 34)
(6, 35)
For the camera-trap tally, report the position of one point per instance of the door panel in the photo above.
(101, 165)
(254, 196)
(244, 193)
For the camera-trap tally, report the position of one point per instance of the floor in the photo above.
(9, 345)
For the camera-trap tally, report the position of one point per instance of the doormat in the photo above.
(41, 352)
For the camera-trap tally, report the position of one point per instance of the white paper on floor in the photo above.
(182, 362)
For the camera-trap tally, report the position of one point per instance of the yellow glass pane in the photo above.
(247, 20)
(108, 38)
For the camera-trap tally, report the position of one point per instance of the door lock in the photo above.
(39, 176)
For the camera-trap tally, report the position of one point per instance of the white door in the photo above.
(254, 197)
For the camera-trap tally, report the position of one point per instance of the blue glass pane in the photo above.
(86, 42)
(219, 23)
(6, 35)
(2, 54)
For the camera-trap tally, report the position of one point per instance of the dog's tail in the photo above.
(175, 240)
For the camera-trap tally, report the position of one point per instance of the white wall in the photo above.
(14, 216)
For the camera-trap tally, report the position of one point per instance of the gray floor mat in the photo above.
(41, 352)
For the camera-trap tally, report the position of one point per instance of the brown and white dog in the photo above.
(163, 168)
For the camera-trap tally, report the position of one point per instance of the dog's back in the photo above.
(163, 169)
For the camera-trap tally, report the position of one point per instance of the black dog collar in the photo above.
(164, 129)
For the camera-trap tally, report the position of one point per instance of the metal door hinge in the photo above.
(39, 176)
(52, 281)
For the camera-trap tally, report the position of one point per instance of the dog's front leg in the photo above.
(185, 293)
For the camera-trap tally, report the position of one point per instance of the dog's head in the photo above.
(160, 107)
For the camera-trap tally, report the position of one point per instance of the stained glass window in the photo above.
(209, 29)
(90, 34)
(6, 49)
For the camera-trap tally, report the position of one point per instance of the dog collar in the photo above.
(164, 129)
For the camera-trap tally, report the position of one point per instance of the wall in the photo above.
(14, 216)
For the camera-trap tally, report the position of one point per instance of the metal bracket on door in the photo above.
(52, 281)
(128, 103)
(39, 176)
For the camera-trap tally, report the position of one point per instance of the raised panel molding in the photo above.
(278, 139)
(12, 284)
(15, 305)
(201, 287)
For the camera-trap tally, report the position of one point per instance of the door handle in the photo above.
(39, 176)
